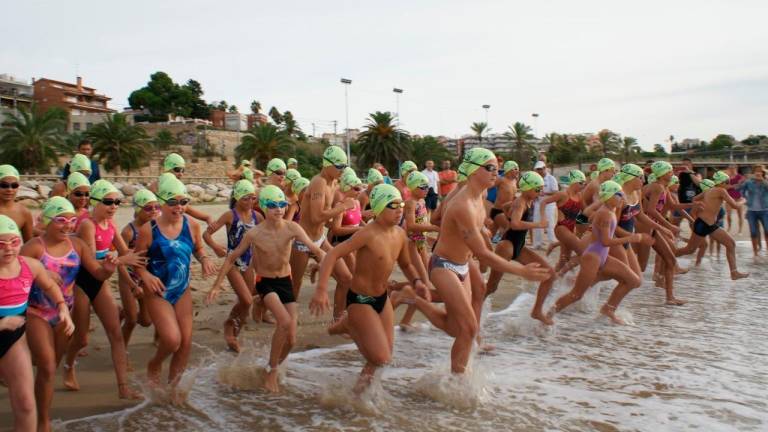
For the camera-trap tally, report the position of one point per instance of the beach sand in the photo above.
(98, 392)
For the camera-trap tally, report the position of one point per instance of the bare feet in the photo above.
(270, 381)
(124, 391)
(546, 319)
(70, 379)
(230, 336)
(736, 275)
(153, 372)
(675, 302)
(610, 312)
(363, 382)
(406, 327)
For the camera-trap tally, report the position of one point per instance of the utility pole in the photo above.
(313, 129)
(347, 82)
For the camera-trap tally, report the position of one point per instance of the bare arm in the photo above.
(301, 235)
(516, 221)
(319, 301)
(198, 214)
(27, 227)
(101, 270)
(248, 239)
(224, 220)
(87, 233)
(654, 193)
(317, 213)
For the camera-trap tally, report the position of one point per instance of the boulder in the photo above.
(43, 190)
(226, 193)
(27, 193)
(194, 190)
(207, 197)
(118, 185)
(30, 184)
(221, 186)
(129, 190)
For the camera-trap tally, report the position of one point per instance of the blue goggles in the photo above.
(274, 204)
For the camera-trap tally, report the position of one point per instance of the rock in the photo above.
(207, 197)
(221, 186)
(129, 190)
(27, 193)
(212, 189)
(194, 190)
(118, 185)
(43, 190)
(226, 193)
(30, 184)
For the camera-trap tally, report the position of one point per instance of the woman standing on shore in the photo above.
(169, 242)
(755, 190)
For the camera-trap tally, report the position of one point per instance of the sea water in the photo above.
(702, 366)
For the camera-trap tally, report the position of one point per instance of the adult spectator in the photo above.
(434, 180)
(689, 183)
(85, 147)
(550, 187)
(736, 179)
(755, 190)
(448, 179)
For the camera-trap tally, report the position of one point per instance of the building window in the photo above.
(76, 126)
(88, 126)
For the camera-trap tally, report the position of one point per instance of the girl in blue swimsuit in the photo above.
(169, 242)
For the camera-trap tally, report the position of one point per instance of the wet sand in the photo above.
(98, 392)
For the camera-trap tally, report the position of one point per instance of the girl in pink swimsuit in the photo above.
(17, 274)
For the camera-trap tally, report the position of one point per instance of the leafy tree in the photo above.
(566, 149)
(275, 115)
(255, 107)
(162, 97)
(232, 108)
(659, 150)
(722, 142)
(263, 142)
(119, 145)
(382, 141)
(630, 149)
(609, 142)
(291, 127)
(164, 140)
(754, 140)
(428, 148)
(31, 140)
(520, 134)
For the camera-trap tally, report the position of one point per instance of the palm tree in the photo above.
(262, 143)
(479, 128)
(630, 148)
(255, 107)
(383, 142)
(290, 126)
(276, 116)
(120, 145)
(609, 142)
(31, 140)
(520, 133)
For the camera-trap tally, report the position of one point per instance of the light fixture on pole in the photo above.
(486, 107)
(535, 123)
(397, 92)
(346, 83)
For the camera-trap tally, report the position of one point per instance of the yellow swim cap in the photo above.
(474, 158)
(56, 206)
(605, 164)
(243, 188)
(102, 188)
(76, 180)
(80, 162)
(608, 189)
(173, 160)
(275, 165)
(416, 180)
(349, 180)
(382, 195)
(374, 176)
(8, 226)
(8, 171)
(406, 167)
(299, 185)
(334, 155)
(142, 198)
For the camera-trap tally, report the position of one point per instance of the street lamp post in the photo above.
(398, 92)
(346, 83)
(486, 107)
(535, 123)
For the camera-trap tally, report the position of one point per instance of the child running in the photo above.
(17, 274)
(146, 209)
(239, 220)
(271, 243)
(706, 223)
(21, 216)
(169, 242)
(369, 318)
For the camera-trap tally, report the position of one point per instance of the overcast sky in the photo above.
(645, 69)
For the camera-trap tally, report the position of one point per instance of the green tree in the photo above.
(753, 140)
(722, 142)
(199, 109)
(382, 141)
(275, 115)
(232, 108)
(255, 107)
(479, 129)
(428, 148)
(659, 150)
(119, 145)
(162, 97)
(32, 140)
(520, 134)
(263, 142)
(630, 149)
(609, 142)
(164, 140)
(291, 127)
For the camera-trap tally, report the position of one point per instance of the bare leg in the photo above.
(730, 252)
(664, 250)
(81, 316)
(168, 334)
(299, 262)
(183, 317)
(42, 343)
(628, 281)
(528, 257)
(373, 334)
(234, 323)
(590, 264)
(16, 371)
(283, 339)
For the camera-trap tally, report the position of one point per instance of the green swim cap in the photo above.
(720, 177)
(608, 189)
(593, 175)
(8, 171)
(243, 188)
(651, 178)
(299, 185)
(706, 185)
(406, 167)
(575, 176)
(275, 165)
(143, 197)
(292, 174)
(531, 180)
(476, 157)
(348, 170)
(461, 175)
(101, 188)
(334, 155)
(381, 195)
(416, 179)
(661, 168)
(245, 163)
(605, 164)
(349, 180)
(8, 226)
(173, 160)
(80, 162)
(674, 180)
(510, 166)
(270, 193)
(56, 206)
(248, 174)
(170, 189)
(292, 161)
(628, 172)
(374, 176)
(76, 180)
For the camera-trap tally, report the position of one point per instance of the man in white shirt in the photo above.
(434, 182)
(550, 187)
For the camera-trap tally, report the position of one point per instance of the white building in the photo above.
(497, 143)
(235, 122)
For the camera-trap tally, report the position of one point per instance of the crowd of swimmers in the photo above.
(55, 266)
